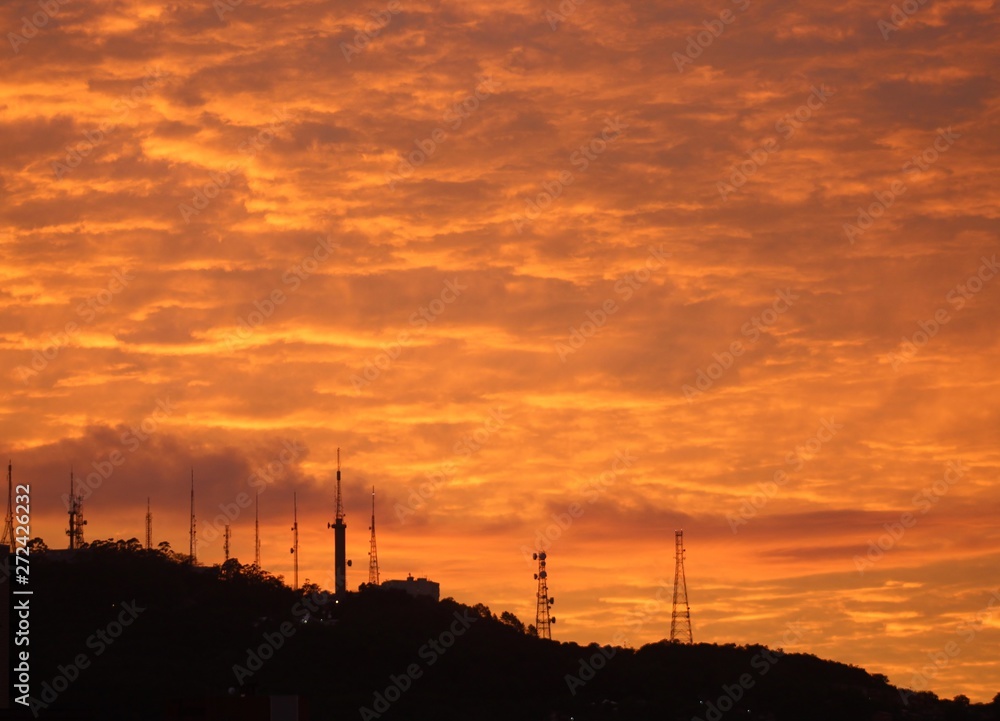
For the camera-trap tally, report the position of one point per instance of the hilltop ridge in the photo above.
(162, 638)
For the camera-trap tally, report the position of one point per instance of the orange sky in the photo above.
(747, 249)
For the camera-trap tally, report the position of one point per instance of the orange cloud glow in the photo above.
(564, 275)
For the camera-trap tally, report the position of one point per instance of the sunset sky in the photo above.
(570, 276)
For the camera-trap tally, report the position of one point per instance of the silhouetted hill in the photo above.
(192, 637)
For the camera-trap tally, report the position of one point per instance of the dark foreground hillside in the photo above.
(123, 633)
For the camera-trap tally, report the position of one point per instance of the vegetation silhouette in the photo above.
(234, 630)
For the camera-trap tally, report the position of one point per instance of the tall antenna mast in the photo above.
(194, 542)
(72, 511)
(340, 502)
(149, 526)
(76, 522)
(680, 619)
(339, 541)
(543, 623)
(8, 525)
(373, 551)
(71, 508)
(295, 538)
(256, 532)
(225, 544)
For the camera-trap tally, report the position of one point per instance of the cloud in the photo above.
(212, 189)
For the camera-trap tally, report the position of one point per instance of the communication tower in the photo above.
(340, 562)
(76, 522)
(373, 550)
(680, 619)
(256, 531)
(543, 623)
(295, 538)
(8, 524)
(194, 526)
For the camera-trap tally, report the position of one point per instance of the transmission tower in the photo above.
(295, 539)
(340, 562)
(8, 524)
(149, 526)
(256, 532)
(680, 619)
(76, 522)
(193, 531)
(543, 623)
(225, 544)
(373, 552)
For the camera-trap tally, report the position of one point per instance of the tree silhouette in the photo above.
(197, 624)
(511, 620)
